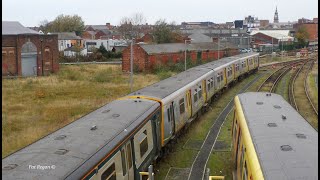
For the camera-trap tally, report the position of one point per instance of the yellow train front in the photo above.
(271, 140)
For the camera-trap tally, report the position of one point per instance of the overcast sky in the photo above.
(31, 12)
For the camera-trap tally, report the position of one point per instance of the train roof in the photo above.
(287, 151)
(215, 64)
(79, 146)
(166, 87)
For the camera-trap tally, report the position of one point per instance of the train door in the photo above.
(225, 76)
(189, 104)
(204, 92)
(169, 125)
(126, 159)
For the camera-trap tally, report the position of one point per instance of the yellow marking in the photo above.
(215, 177)
(252, 160)
(162, 111)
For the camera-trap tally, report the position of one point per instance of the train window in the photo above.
(211, 82)
(242, 156)
(123, 160)
(182, 108)
(110, 173)
(235, 131)
(195, 96)
(144, 144)
(245, 173)
(129, 155)
(200, 92)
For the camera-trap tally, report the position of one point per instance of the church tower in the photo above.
(276, 18)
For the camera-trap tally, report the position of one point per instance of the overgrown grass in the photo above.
(305, 109)
(35, 107)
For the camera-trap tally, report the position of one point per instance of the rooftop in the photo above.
(15, 28)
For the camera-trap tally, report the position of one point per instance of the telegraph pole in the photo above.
(131, 65)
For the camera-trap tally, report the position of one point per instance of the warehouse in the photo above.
(146, 56)
(26, 52)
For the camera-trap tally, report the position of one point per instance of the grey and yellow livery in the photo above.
(271, 140)
(121, 139)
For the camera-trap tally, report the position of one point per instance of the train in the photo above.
(122, 138)
(271, 140)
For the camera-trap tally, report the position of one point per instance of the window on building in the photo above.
(110, 173)
(123, 160)
(144, 144)
(182, 108)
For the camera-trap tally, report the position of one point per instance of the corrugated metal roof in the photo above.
(15, 28)
(277, 34)
(178, 47)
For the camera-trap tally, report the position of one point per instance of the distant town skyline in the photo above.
(31, 13)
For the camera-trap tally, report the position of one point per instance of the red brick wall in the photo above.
(139, 58)
(12, 62)
(147, 62)
(259, 37)
(311, 29)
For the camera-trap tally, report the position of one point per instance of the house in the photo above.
(146, 56)
(26, 52)
(68, 39)
(90, 44)
(74, 51)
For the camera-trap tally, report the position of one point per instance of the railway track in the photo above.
(299, 97)
(271, 82)
(306, 88)
(291, 98)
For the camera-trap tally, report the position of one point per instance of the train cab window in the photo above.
(110, 173)
(129, 155)
(200, 92)
(211, 82)
(182, 108)
(123, 160)
(195, 96)
(235, 131)
(144, 144)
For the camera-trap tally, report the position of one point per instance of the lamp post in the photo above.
(131, 64)
(185, 53)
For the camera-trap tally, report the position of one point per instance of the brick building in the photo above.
(26, 52)
(146, 56)
(312, 29)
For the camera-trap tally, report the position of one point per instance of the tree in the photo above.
(130, 26)
(126, 27)
(302, 36)
(166, 33)
(64, 23)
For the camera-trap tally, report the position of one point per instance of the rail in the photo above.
(278, 80)
(291, 89)
(306, 87)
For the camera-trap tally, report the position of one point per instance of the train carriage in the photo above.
(271, 140)
(124, 137)
(114, 142)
